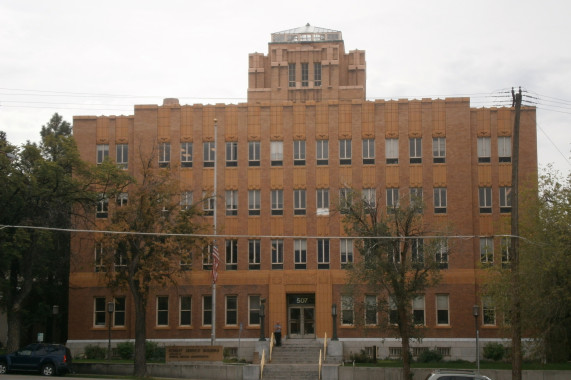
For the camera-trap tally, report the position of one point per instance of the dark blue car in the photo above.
(48, 359)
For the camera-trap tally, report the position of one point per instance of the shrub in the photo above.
(95, 352)
(153, 352)
(494, 351)
(126, 350)
(429, 356)
(361, 357)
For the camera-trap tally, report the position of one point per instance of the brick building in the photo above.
(306, 133)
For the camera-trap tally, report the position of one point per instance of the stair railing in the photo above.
(262, 364)
(320, 364)
(325, 346)
(272, 342)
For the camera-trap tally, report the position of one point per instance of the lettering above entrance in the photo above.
(301, 299)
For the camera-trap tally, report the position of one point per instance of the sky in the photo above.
(103, 57)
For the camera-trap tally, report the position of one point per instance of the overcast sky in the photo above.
(102, 57)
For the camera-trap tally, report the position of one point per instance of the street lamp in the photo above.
(262, 315)
(110, 310)
(55, 312)
(475, 312)
(334, 317)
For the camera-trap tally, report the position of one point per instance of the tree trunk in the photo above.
(406, 375)
(14, 326)
(140, 335)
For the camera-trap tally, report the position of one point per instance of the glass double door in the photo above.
(301, 321)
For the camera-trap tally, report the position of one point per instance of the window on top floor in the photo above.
(317, 74)
(122, 153)
(368, 151)
(392, 151)
(209, 156)
(253, 153)
(102, 153)
(186, 154)
(415, 150)
(164, 154)
(345, 152)
(505, 148)
(304, 74)
(231, 153)
(484, 149)
(439, 150)
(291, 75)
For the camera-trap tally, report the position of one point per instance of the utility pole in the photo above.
(515, 273)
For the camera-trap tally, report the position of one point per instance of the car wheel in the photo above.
(3, 368)
(48, 369)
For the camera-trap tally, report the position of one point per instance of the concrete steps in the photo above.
(291, 371)
(297, 351)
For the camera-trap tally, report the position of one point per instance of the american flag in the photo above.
(215, 262)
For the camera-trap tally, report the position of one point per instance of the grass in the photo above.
(460, 364)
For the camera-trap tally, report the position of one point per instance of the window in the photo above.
(253, 153)
(231, 153)
(102, 207)
(439, 150)
(185, 309)
(206, 310)
(487, 251)
(505, 199)
(392, 151)
(322, 152)
(209, 203)
(417, 250)
(186, 154)
(322, 201)
(185, 260)
(505, 149)
(304, 74)
(392, 199)
(162, 311)
(99, 257)
(299, 203)
(368, 151)
(231, 310)
(345, 152)
(164, 154)
(254, 310)
(119, 312)
(122, 199)
(207, 258)
(416, 197)
(393, 312)
(484, 150)
(209, 153)
(99, 309)
(370, 198)
(440, 200)
(345, 200)
(186, 200)
(347, 310)
(370, 310)
(322, 253)
(442, 254)
(485, 197)
(415, 150)
(231, 202)
(102, 153)
(277, 153)
(277, 254)
(442, 315)
(120, 258)
(299, 152)
(291, 74)
(253, 202)
(317, 74)
(488, 312)
(277, 202)
(122, 151)
(231, 254)
(346, 251)
(418, 310)
(300, 253)
(505, 244)
(254, 254)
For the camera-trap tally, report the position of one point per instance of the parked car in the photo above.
(451, 374)
(48, 359)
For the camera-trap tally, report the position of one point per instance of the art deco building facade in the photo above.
(305, 135)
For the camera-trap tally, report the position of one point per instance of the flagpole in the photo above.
(215, 254)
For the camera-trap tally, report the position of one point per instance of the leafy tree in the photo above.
(394, 259)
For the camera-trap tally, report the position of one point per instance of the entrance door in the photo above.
(301, 322)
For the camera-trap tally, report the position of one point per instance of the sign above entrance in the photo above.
(301, 299)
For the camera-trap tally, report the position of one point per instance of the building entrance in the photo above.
(301, 315)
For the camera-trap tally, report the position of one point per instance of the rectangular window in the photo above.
(322, 253)
(488, 312)
(300, 253)
(231, 310)
(347, 310)
(322, 153)
(122, 199)
(505, 243)
(442, 254)
(415, 148)
(277, 202)
(304, 74)
(277, 254)
(346, 250)
(417, 251)
(102, 153)
(505, 199)
(487, 251)
(209, 150)
(345, 152)
(322, 201)
(207, 258)
(299, 152)
(122, 151)
(254, 310)
(439, 150)
(370, 310)
(186, 200)
(99, 311)
(206, 310)
(185, 308)
(418, 310)
(253, 202)
(254, 254)
(345, 200)
(392, 151)
(162, 311)
(505, 149)
(291, 74)
(370, 198)
(102, 207)
(119, 312)
(186, 154)
(120, 260)
(485, 199)
(393, 312)
(185, 260)
(299, 202)
(231, 202)
(232, 254)
(277, 153)
(368, 151)
(99, 257)
(253, 153)
(440, 200)
(416, 198)
(231, 153)
(442, 308)
(484, 149)
(208, 204)
(164, 154)
(392, 199)
(317, 74)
